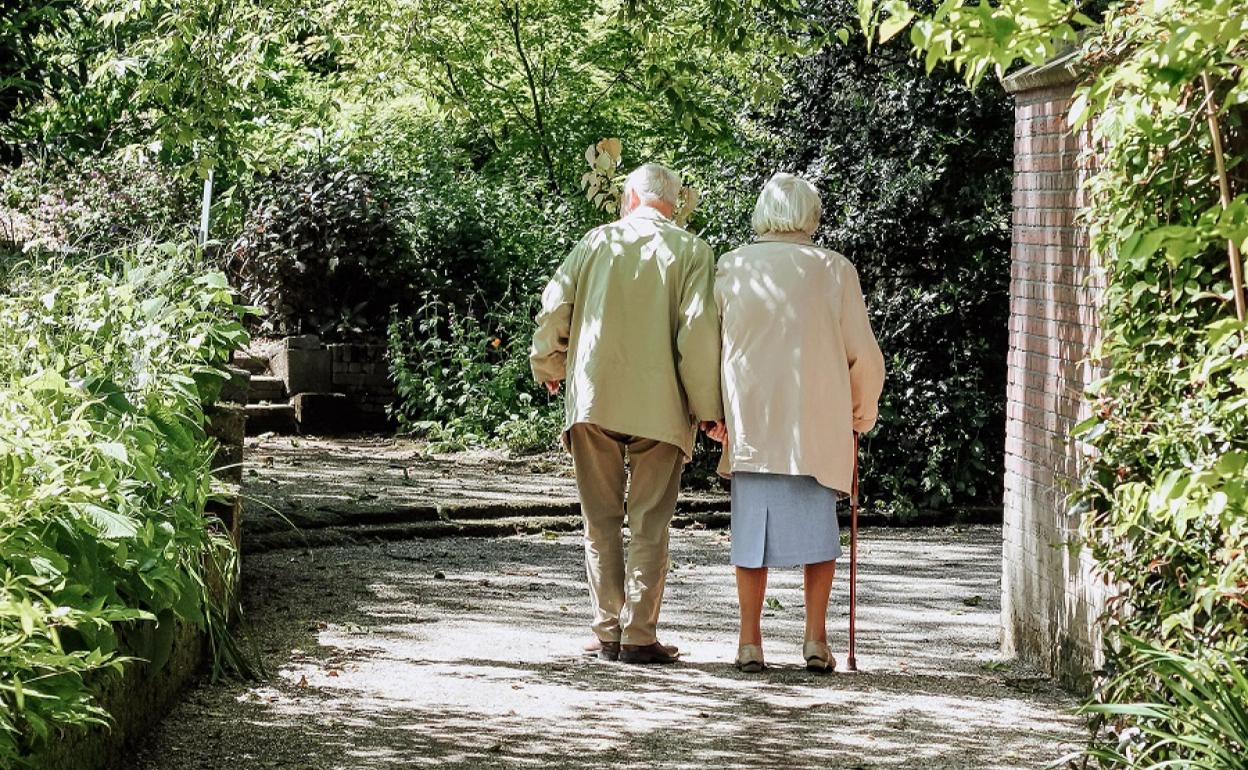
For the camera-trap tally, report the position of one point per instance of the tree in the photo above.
(915, 176)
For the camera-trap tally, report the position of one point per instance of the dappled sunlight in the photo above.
(439, 656)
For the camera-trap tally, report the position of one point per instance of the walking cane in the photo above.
(851, 662)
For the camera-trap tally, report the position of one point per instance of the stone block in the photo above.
(270, 418)
(340, 352)
(324, 413)
(266, 388)
(304, 370)
(227, 423)
(237, 388)
(347, 379)
(302, 342)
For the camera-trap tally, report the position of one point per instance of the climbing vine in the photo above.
(1165, 98)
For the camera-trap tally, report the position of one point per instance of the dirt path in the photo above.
(464, 653)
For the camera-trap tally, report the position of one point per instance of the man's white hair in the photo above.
(653, 182)
(787, 204)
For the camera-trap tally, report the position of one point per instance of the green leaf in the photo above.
(112, 525)
(114, 451)
(899, 16)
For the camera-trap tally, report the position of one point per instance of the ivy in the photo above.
(1166, 498)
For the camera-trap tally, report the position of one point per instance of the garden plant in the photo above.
(409, 174)
(1166, 498)
(106, 369)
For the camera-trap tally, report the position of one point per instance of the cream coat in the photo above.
(629, 321)
(801, 368)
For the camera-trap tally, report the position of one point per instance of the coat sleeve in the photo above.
(866, 362)
(697, 337)
(548, 356)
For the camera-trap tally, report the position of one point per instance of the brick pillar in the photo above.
(1050, 599)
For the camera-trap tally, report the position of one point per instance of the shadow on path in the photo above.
(465, 654)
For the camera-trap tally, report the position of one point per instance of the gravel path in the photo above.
(464, 653)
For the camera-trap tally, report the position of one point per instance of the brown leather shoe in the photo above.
(649, 653)
(604, 650)
(594, 646)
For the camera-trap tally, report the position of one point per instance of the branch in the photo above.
(1224, 192)
(512, 15)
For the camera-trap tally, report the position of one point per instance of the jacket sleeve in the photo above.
(548, 356)
(697, 337)
(866, 362)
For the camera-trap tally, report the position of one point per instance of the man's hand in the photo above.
(552, 386)
(716, 430)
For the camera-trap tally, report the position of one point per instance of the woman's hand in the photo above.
(716, 430)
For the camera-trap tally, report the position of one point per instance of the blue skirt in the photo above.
(783, 521)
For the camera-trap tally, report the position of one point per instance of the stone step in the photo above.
(711, 513)
(318, 537)
(237, 388)
(253, 364)
(266, 388)
(270, 418)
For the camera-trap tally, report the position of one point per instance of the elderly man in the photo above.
(629, 320)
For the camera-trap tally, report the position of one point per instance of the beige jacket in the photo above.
(801, 368)
(629, 321)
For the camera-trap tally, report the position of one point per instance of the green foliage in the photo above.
(26, 72)
(1204, 713)
(977, 38)
(88, 207)
(321, 251)
(1167, 490)
(465, 381)
(104, 476)
(524, 86)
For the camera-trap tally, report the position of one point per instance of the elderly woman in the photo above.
(802, 374)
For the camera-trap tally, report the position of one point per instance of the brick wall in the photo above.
(1050, 599)
(361, 372)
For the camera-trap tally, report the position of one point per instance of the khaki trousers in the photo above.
(625, 594)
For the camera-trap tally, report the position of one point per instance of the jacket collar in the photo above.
(785, 238)
(647, 212)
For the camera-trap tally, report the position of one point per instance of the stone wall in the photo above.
(1050, 599)
(361, 372)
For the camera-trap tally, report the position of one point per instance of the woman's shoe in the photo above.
(818, 657)
(750, 659)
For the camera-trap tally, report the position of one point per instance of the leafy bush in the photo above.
(1168, 485)
(463, 380)
(92, 206)
(104, 476)
(321, 251)
(1202, 711)
(388, 221)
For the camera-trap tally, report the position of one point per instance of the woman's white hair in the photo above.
(653, 182)
(787, 204)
